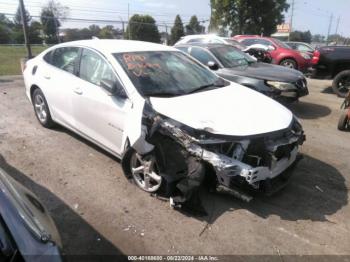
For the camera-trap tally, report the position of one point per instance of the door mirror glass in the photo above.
(213, 66)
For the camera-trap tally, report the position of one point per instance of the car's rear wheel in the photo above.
(344, 121)
(290, 63)
(41, 109)
(145, 172)
(341, 83)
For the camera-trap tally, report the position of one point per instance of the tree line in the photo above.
(47, 29)
(228, 17)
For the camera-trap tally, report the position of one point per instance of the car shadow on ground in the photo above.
(328, 90)
(306, 110)
(315, 191)
(80, 240)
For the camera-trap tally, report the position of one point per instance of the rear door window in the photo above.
(65, 58)
(202, 55)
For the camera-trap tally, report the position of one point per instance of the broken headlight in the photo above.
(283, 86)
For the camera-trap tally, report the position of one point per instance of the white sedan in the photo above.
(170, 119)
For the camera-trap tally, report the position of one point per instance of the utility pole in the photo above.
(336, 29)
(25, 29)
(123, 26)
(329, 28)
(166, 34)
(129, 22)
(57, 30)
(291, 21)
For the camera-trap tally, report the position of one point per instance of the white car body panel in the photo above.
(110, 123)
(226, 111)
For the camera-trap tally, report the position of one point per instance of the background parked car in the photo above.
(281, 53)
(302, 47)
(232, 64)
(26, 229)
(258, 51)
(210, 39)
(333, 62)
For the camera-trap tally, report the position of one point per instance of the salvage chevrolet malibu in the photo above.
(171, 120)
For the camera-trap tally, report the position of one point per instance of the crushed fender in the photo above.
(183, 153)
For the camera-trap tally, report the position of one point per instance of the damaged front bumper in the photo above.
(243, 162)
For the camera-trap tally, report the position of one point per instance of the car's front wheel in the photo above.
(41, 109)
(145, 172)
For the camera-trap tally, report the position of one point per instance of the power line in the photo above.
(101, 10)
(71, 19)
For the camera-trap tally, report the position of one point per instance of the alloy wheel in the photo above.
(344, 85)
(40, 108)
(145, 172)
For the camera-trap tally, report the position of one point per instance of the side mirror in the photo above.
(113, 87)
(213, 66)
(271, 48)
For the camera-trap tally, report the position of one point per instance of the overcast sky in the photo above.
(313, 15)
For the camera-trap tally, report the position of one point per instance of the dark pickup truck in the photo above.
(333, 62)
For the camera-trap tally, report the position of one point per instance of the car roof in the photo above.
(118, 46)
(203, 45)
(201, 36)
(296, 42)
(252, 37)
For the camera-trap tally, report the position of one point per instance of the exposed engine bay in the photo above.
(186, 155)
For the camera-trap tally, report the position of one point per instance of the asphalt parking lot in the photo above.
(98, 211)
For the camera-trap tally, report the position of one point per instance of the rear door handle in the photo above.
(47, 77)
(78, 91)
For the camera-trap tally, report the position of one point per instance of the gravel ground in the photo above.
(98, 212)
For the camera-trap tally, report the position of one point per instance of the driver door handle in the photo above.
(78, 91)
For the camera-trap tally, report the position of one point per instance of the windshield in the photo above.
(281, 44)
(231, 57)
(166, 73)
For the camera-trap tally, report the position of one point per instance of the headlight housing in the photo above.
(283, 86)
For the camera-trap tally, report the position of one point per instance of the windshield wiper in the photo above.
(163, 94)
(219, 83)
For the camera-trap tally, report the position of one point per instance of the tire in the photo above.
(41, 109)
(290, 63)
(343, 123)
(341, 83)
(147, 178)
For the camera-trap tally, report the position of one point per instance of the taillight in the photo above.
(316, 57)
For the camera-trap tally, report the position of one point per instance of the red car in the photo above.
(281, 53)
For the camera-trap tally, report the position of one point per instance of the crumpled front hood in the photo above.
(264, 71)
(233, 110)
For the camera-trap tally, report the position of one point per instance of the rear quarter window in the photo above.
(47, 57)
